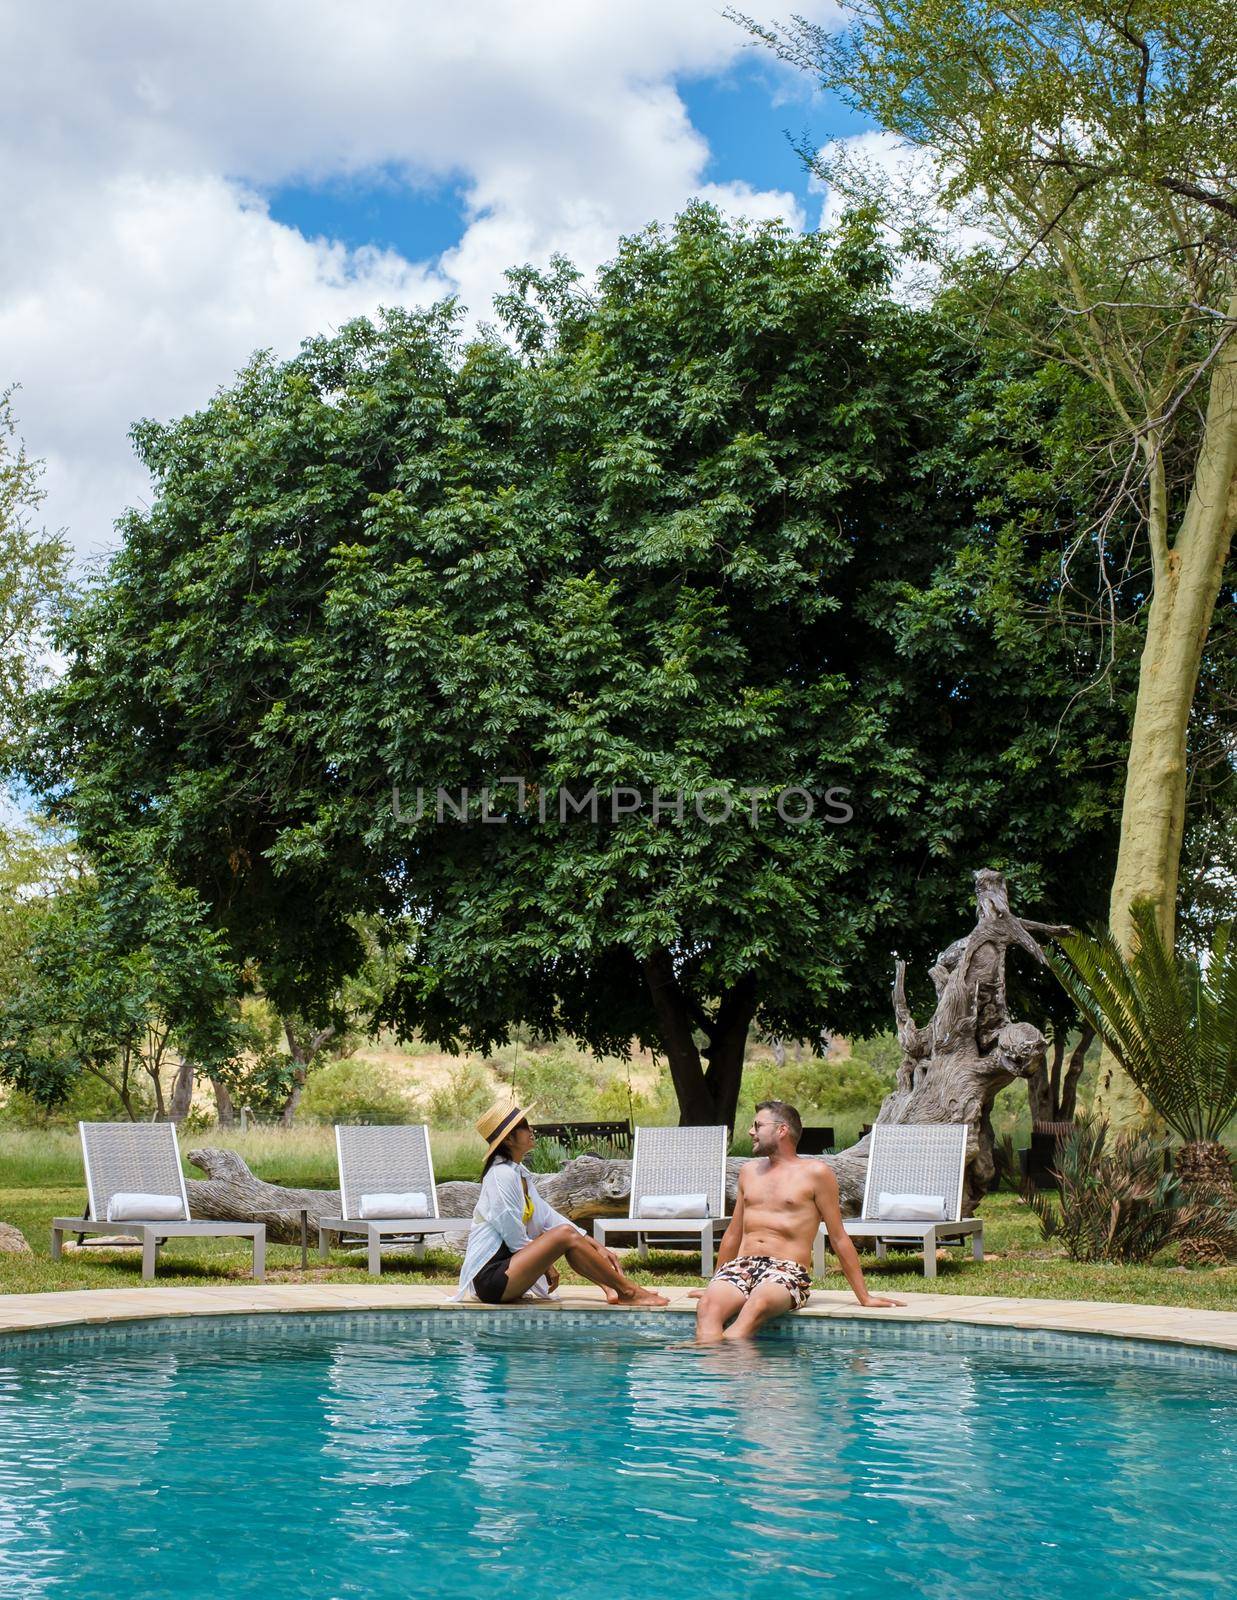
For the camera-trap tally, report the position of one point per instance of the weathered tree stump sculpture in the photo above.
(952, 1069)
(954, 1066)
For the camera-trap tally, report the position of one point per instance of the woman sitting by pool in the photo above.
(516, 1237)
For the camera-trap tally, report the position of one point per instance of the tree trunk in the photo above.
(727, 1049)
(711, 1096)
(1067, 1099)
(303, 1054)
(224, 1108)
(120, 1090)
(182, 1091)
(1186, 578)
(1039, 1084)
(1052, 1091)
(1205, 1167)
(678, 1040)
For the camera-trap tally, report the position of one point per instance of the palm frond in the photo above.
(1171, 1024)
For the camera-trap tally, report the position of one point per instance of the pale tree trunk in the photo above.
(303, 1053)
(1186, 584)
(182, 1091)
(225, 1110)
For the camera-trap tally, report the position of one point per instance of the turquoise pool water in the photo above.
(552, 1456)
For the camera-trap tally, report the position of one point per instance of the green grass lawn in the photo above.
(41, 1178)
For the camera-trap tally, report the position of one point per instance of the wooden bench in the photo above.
(572, 1134)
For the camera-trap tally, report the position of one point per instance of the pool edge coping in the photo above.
(1158, 1325)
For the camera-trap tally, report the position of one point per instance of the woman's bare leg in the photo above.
(585, 1256)
(530, 1260)
(588, 1259)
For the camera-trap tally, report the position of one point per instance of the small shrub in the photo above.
(1118, 1204)
(882, 1054)
(469, 1089)
(816, 1086)
(89, 1100)
(354, 1090)
(551, 1155)
(557, 1083)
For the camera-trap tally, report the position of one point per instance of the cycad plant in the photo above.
(1171, 1021)
(1118, 1204)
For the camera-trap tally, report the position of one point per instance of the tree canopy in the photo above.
(1095, 146)
(728, 522)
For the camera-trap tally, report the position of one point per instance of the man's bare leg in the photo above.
(718, 1303)
(766, 1301)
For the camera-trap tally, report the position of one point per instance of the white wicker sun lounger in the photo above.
(917, 1159)
(393, 1159)
(143, 1158)
(675, 1161)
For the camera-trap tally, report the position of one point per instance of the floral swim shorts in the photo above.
(746, 1272)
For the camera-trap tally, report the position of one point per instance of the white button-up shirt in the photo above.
(499, 1219)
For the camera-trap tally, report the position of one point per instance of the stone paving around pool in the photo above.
(1161, 1324)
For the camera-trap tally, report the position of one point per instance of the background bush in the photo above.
(354, 1090)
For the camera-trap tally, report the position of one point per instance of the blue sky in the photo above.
(745, 113)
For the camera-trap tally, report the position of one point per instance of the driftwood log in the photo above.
(584, 1188)
(952, 1069)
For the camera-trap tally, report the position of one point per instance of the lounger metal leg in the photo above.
(324, 1245)
(375, 1253)
(259, 1256)
(977, 1245)
(929, 1253)
(150, 1245)
(57, 1243)
(643, 1245)
(818, 1254)
(882, 1250)
(418, 1249)
(706, 1251)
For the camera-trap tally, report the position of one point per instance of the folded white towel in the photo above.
(412, 1204)
(146, 1208)
(669, 1206)
(910, 1208)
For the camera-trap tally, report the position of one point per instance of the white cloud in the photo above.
(139, 266)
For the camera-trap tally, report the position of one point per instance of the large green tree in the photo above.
(1096, 144)
(722, 523)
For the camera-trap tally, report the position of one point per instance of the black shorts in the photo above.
(490, 1284)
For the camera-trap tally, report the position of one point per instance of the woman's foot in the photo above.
(638, 1295)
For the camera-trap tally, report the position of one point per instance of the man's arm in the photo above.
(848, 1259)
(733, 1236)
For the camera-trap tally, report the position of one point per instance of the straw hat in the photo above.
(499, 1120)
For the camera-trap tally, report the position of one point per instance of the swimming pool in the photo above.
(465, 1454)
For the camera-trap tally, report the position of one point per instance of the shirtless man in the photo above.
(763, 1265)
